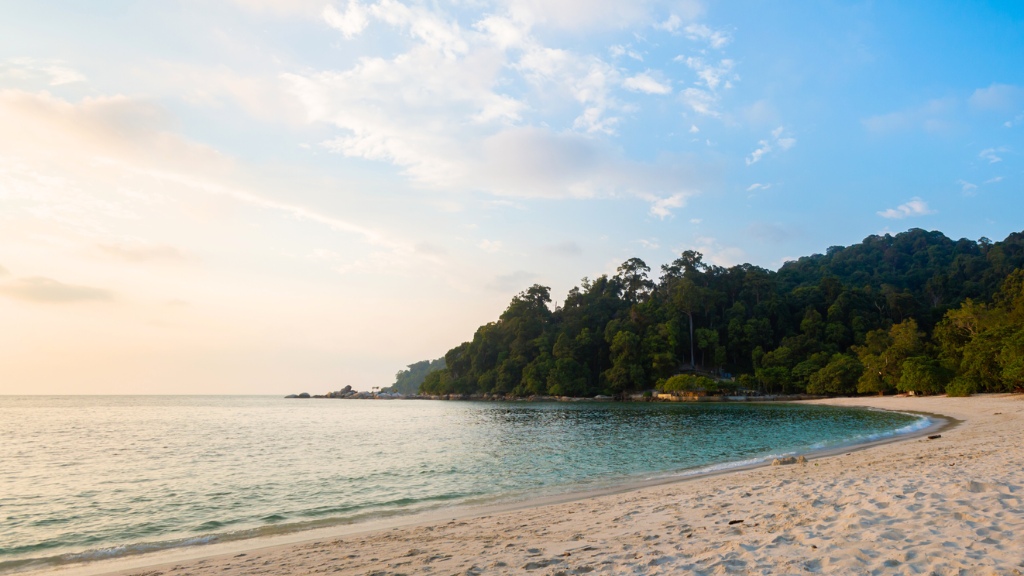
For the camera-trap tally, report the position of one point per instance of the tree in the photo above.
(633, 275)
(568, 378)
(1011, 360)
(839, 376)
(686, 296)
(408, 381)
(924, 375)
(707, 340)
(626, 372)
(774, 377)
(658, 347)
(883, 355)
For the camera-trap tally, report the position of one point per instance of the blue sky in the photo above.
(234, 196)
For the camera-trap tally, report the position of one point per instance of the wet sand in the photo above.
(953, 505)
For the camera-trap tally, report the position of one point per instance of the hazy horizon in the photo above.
(269, 197)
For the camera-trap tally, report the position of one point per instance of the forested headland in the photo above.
(912, 312)
(408, 381)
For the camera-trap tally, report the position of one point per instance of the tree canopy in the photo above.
(408, 381)
(912, 312)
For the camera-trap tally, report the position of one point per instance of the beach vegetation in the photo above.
(911, 312)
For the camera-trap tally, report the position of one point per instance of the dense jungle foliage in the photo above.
(912, 312)
(408, 381)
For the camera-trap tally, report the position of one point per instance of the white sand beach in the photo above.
(953, 505)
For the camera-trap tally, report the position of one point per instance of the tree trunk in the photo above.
(693, 360)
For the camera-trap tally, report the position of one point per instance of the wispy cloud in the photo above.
(669, 25)
(48, 291)
(766, 146)
(990, 155)
(514, 282)
(491, 246)
(773, 232)
(660, 207)
(55, 71)
(714, 38)
(711, 75)
(701, 101)
(758, 185)
(350, 22)
(142, 253)
(967, 188)
(1000, 97)
(646, 83)
(567, 248)
(993, 180)
(929, 117)
(915, 207)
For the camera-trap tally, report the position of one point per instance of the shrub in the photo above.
(961, 386)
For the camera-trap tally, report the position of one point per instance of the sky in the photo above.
(280, 196)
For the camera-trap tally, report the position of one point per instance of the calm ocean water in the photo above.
(86, 477)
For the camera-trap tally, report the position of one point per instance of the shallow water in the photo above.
(86, 477)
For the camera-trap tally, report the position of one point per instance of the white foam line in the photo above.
(921, 423)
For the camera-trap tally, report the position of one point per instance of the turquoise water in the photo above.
(86, 477)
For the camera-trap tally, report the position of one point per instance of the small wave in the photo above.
(398, 507)
(920, 423)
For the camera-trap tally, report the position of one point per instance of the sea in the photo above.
(85, 478)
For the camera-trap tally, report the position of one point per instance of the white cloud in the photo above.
(696, 220)
(928, 117)
(968, 188)
(915, 207)
(435, 111)
(56, 72)
(597, 14)
(1002, 97)
(106, 139)
(711, 75)
(694, 129)
(491, 246)
(660, 206)
(701, 101)
(309, 8)
(619, 50)
(651, 244)
(567, 248)
(756, 186)
(350, 22)
(990, 155)
(48, 291)
(992, 180)
(756, 155)
(670, 25)
(766, 146)
(643, 82)
(714, 38)
(514, 282)
(141, 252)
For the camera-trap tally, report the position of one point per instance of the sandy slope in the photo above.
(949, 506)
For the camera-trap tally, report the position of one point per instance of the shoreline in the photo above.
(164, 559)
